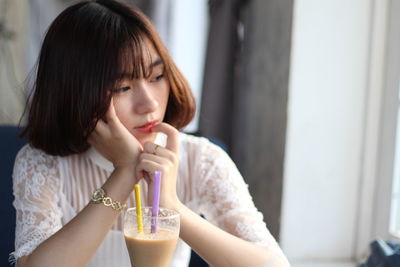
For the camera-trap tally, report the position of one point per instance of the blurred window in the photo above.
(395, 211)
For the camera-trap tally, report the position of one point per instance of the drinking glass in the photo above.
(147, 248)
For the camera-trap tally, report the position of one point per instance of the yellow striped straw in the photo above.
(138, 209)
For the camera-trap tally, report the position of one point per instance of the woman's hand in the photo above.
(164, 159)
(114, 141)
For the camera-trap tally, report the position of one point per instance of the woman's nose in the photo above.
(145, 100)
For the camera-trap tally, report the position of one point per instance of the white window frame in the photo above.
(380, 127)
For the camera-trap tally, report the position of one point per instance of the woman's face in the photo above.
(141, 103)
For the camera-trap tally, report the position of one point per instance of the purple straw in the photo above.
(156, 201)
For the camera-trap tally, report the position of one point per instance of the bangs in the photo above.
(134, 59)
(122, 50)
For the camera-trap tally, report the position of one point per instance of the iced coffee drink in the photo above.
(155, 244)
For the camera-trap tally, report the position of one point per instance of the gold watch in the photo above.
(99, 196)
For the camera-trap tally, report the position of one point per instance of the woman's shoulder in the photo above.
(199, 143)
(32, 159)
(28, 152)
(190, 139)
(201, 150)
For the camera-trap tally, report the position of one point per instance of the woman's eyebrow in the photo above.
(155, 63)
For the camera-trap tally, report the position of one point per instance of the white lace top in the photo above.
(50, 190)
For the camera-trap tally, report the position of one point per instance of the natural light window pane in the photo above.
(395, 209)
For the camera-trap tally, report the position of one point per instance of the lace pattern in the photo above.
(36, 186)
(224, 198)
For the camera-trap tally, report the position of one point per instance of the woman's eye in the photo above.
(157, 78)
(121, 90)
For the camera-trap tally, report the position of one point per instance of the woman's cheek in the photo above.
(120, 109)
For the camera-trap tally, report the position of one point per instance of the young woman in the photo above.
(106, 93)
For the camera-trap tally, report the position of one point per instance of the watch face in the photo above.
(98, 195)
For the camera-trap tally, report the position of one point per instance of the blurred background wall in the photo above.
(13, 40)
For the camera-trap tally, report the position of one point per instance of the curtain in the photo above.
(245, 93)
(219, 75)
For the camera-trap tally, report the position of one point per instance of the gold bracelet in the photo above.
(116, 205)
(99, 196)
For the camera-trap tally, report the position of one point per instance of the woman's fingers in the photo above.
(149, 167)
(111, 115)
(163, 159)
(160, 163)
(155, 158)
(113, 125)
(110, 111)
(172, 134)
(154, 149)
(101, 127)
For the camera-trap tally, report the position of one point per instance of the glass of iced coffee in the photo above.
(153, 243)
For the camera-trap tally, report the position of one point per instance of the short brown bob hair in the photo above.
(85, 51)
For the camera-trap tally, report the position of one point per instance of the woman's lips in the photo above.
(147, 127)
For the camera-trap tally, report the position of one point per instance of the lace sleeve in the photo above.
(36, 186)
(224, 199)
